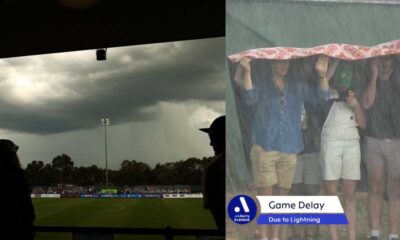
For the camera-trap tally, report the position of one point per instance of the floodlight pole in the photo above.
(60, 169)
(105, 122)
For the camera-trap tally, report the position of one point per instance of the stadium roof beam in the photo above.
(380, 2)
(29, 27)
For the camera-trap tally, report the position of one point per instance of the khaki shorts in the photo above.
(270, 168)
(382, 152)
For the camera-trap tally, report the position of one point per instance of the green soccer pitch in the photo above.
(121, 212)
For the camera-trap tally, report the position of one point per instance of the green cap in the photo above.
(343, 77)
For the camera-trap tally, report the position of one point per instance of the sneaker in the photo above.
(393, 238)
(373, 238)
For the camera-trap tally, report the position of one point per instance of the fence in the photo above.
(86, 233)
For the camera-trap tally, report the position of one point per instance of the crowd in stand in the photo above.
(72, 189)
(157, 189)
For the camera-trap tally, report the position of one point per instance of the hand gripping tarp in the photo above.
(335, 50)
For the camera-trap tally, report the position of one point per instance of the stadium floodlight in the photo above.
(60, 169)
(105, 122)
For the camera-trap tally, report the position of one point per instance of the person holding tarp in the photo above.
(307, 179)
(340, 152)
(276, 134)
(381, 99)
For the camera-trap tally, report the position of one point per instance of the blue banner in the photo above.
(152, 195)
(112, 196)
(302, 218)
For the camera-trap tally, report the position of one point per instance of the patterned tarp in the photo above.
(336, 50)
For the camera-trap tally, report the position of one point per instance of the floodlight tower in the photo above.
(60, 169)
(105, 122)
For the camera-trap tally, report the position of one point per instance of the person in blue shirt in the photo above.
(276, 137)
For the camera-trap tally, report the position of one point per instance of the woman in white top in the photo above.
(340, 146)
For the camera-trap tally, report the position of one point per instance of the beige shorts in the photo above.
(270, 168)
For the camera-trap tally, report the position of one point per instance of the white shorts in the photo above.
(340, 156)
(308, 169)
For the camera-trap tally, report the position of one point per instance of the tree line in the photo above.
(62, 170)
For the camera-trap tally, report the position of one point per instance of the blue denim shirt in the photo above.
(278, 128)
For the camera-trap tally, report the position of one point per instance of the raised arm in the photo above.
(322, 68)
(248, 92)
(368, 97)
(243, 74)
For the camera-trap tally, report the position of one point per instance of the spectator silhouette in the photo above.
(214, 173)
(18, 215)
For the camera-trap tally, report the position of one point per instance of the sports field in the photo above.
(123, 212)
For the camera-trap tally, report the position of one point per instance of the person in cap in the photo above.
(214, 173)
(340, 153)
(19, 214)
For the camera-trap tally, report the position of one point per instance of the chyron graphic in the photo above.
(242, 209)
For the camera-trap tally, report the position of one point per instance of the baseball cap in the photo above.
(218, 125)
(344, 77)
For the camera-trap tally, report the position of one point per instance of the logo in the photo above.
(242, 209)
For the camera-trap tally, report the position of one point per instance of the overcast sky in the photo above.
(156, 96)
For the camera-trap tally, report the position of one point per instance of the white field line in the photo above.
(113, 210)
(60, 210)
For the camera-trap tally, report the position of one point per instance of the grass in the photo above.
(158, 213)
(142, 213)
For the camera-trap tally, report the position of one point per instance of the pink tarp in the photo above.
(341, 51)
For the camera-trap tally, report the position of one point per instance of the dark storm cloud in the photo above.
(121, 88)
